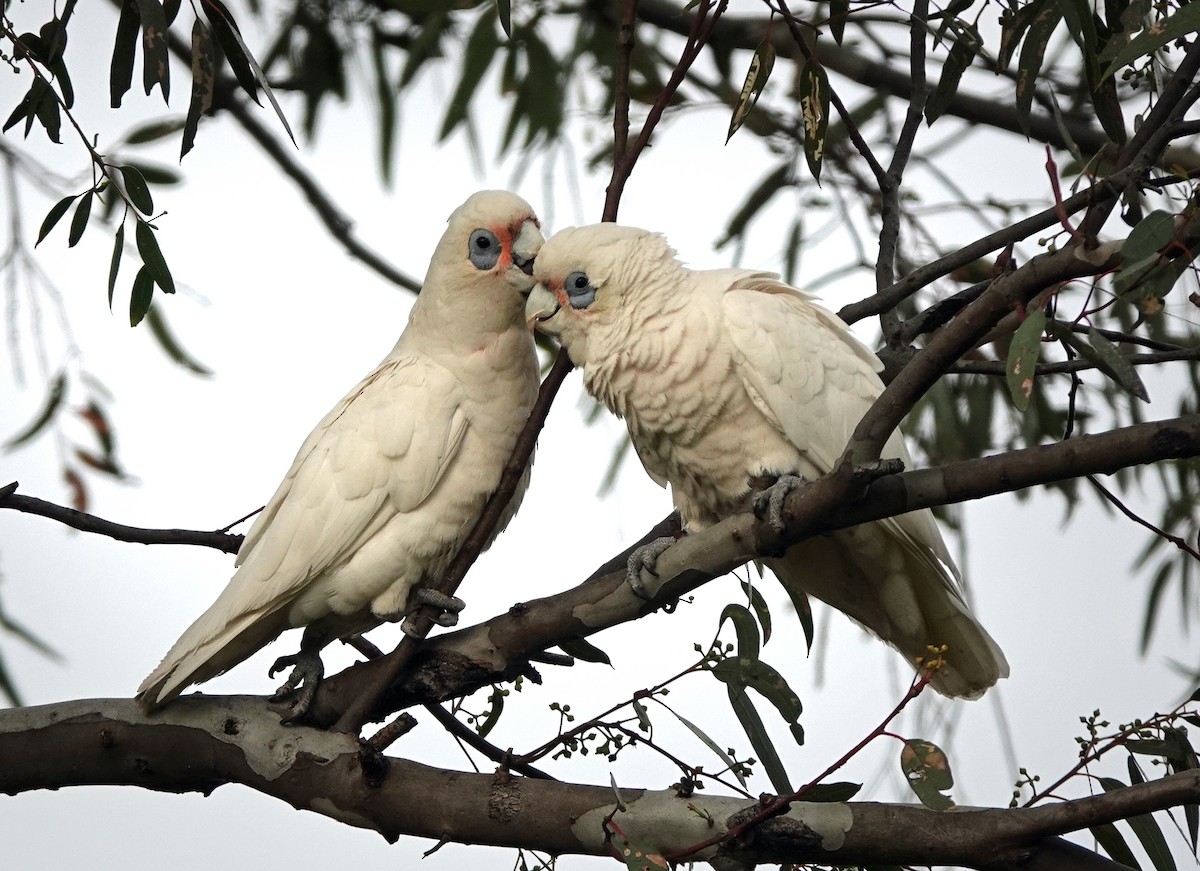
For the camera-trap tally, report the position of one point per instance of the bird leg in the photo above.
(645, 558)
(307, 671)
(449, 605)
(768, 503)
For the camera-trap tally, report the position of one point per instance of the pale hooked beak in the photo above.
(526, 245)
(540, 307)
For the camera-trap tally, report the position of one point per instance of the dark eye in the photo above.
(580, 291)
(483, 249)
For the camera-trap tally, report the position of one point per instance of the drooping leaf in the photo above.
(204, 77)
(152, 256)
(838, 11)
(1023, 354)
(480, 50)
(761, 64)
(167, 341)
(115, 263)
(1113, 842)
(152, 131)
(741, 672)
(120, 74)
(1179, 24)
(156, 62)
(745, 627)
(712, 745)
(504, 11)
(962, 53)
(927, 771)
(385, 100)
(1147, 830)
(584, 650)
(803, 612)
(764, 749)
(761, 611)
(79, 220)
(44, 108)
(141, 297)
(246, 68)
(155, 173)
(54, 398)
(814, 106)
(136, 188)
(1033, 51)
(1013, 24)
(1105, 356)
(53, 217)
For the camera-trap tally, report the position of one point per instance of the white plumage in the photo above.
(384, 490)
(726, 375)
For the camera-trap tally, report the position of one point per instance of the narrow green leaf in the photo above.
(45, 109)
(1109, 837)
(1033, 51)
(757, 75)
(1013, 25)
(53, 217)
(19, 114)
(584, 650)
(167, 341)
(838, 11)
(142, 296)
(927, 771)
(761, 611)
(115, 263)
(136, 188)
(385, 98)
(8, 689)
(712, 745)
(1149, 237)
(1116, 365)
(495, 704)
(764, 749)
(745, 627)
(79, 220)
(152, 256)
(1179, 24)
(643, 716)
(814, 105)
(1146, 828)
(480, 50)
(14, 628)
(54, 398)
(156, 63)
(152, 131)
(154, 173)
(230, 39)
(1023, 355)
(962, 53)
(120, 74)
(832, 791)
(504, 10)
(741, 671)
(204, 79)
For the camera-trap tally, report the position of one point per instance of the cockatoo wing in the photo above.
(813, 381)
(380, 452)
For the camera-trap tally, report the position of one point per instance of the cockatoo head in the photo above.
(592, 282)
(482, 267)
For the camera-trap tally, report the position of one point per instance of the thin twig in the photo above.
(1141, 521)
(467, 735)
(120, 532)
(1064, 367)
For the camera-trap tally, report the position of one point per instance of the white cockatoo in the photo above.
(383, 492)
(728, 375)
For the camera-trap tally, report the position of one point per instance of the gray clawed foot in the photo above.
(645, 558)
(450, 607)
(307, 671)
(768, 503)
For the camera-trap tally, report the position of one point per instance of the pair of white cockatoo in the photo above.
(722, 376)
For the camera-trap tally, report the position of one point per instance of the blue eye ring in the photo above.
(579, 289)
(483, 249)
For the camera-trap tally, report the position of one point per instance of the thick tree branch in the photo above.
(198, 745)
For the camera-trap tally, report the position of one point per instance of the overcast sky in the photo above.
(288, 322)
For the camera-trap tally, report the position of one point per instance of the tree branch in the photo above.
(198, 745)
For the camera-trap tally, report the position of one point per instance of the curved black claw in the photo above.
(307, 671)
(768, 503)
(449, 605)
(645, 558)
